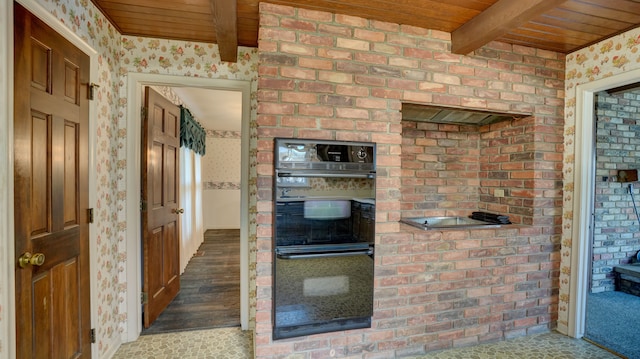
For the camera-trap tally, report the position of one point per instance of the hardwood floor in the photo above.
(210, 287)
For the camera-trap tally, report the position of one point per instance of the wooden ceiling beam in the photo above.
(497, 20)
(225, 19)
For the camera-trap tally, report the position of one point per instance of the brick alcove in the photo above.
(452, 170)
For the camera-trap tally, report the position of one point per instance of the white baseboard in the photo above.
(113, 348)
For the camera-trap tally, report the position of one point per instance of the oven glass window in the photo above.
(316, 291)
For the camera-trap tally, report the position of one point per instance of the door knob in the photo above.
(27, 259)
(178, 210)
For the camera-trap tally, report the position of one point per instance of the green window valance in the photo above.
(192, 134)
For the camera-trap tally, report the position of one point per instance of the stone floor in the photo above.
(232, 343)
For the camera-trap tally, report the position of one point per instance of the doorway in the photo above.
(135, 83)
(612, 301)
(210, 198)
(584, 197)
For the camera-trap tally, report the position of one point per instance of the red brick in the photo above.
(371, 126)
(351, 44)
(335, 77)
(311, 110)
(299, 97)
(315, 15)
(315, 63)
(297, 49)
(298, 73)
(352, 113)
(418, 53)
(368, 35)
(351, 20)
(298, 122)
(275, 108)
(371, 58)
(335, 54)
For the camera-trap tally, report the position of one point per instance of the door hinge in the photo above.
(90, 215)
(143, 206)
(92, 334)
(144, 297)
(143, 112)
(92, 90)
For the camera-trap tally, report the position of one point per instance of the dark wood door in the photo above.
(160, 226)
(51, 200)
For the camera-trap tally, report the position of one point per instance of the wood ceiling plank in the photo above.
(621, 5)
(193, 37)
(619, 15)
(578, 37)
(496, 21)
(132, 22)
(141, 11)
(225, 20)
(178, 34)
(573, 25)
(372, 10)
(154, 3)
(527, 41)
(553, 37)
(570, 16)
(436, 9)
(178, 6)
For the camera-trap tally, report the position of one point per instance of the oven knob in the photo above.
(362, 153)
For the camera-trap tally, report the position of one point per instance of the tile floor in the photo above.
(220, 343)
(232, 343)
(541, 346)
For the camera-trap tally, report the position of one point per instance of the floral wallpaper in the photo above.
(609, 57)
(149, 55)
(118, 55)
(221, 165)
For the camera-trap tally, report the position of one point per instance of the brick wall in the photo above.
(339, 77)
(440, 169)
(616, 237)
(523, 157)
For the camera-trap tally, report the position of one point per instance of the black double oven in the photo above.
(324, 227)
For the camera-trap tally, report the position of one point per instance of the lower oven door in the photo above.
(320, 289)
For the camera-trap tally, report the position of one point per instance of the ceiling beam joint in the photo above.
(496, 21)
(225, 17)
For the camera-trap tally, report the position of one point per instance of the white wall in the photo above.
(221, 180)
(221, 209)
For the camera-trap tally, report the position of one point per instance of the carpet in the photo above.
(613, 321)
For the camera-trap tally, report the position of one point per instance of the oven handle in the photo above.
(325, 255)
(328, 174)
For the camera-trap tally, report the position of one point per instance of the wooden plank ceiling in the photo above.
(557, 25)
